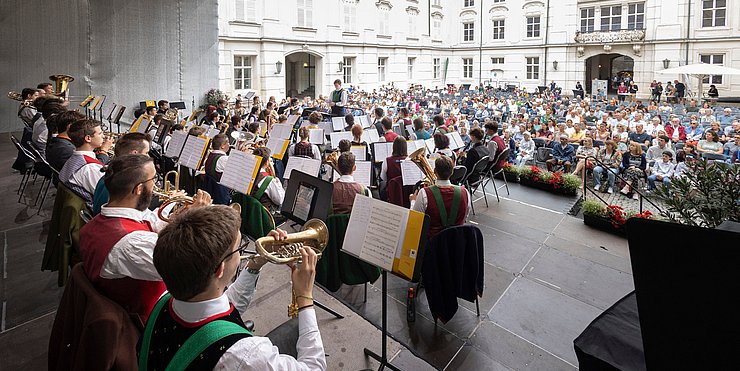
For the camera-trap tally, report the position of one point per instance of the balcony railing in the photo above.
(601, 37)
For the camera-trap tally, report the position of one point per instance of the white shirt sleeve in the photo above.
(421, 202)
(258, 353)
(275, 191)
(291, 150)
(316, 152)
(88, 177)
(221, 163)
(241, 292)
(132, 256)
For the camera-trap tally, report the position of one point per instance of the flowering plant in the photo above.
(616, 216)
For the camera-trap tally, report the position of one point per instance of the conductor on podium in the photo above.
(338, 99)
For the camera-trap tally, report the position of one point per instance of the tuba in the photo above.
(419, 157)
(61, 84)
(315, 235)
(332, 160)
(170, 115)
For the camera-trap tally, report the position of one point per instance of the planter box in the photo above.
(510, 176)
(545, 187)
(603, 224)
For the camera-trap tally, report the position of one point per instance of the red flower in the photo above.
(536, 179)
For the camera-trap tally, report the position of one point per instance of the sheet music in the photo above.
(316, 136)
(360, 152)
(410, 129)
(176, 143)
(382, 151)
(326, 126)
(410, 173)
(277, 147)
(141, 124)
(430, 145)
(363, 172)
(193, 152)
(338, 123)
(456, 141)
(418, 144)
(375, 227)
(364, 121)
(212, 132)
(239, 173)
(292, 119)
(281, 131)
(370, 136)
(303, 200)
(309, 166)
(335, 138)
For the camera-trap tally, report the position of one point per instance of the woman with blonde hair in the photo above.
(633, 167)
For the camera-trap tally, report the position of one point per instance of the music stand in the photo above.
(322, 192)
(110, 117)
(117, 119)
(178, 105)
(100, 109)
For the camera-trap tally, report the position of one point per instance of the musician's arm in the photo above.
(241, 292)
(316, 152)
(275, 192)
(420, 204)
(221, 164)
(132, 256)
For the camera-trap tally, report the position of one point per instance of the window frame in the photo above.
(713, 79)
(411, 61)
(347, 69)
(246, 65)
(468, 3)
(467, 64)
(610, 18)
(713, 10)
(532, 68)
(499, 30)
(349, 17)
(468, 31)
(632, 17)
(304, 7)
(533, 28)
(436, 68)
(382, 66)
(590, 19)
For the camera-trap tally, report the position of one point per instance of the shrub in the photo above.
(214, 95)
(571, 182)
(593, 208)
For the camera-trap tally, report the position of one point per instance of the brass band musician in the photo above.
(446, 204)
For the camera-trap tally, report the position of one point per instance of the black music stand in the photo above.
(178, 105)
(99, 108)
(117, 118)
(110, 117)
(383, 357)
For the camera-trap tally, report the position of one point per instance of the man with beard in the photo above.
(117, 246)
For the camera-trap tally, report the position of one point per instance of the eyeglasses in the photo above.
(144, 182)
(242, 249)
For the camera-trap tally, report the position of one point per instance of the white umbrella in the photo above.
(700, 71)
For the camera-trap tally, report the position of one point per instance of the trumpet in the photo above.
(332, 160)
(314, 234)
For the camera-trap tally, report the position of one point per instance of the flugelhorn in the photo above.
(315, 235)
(332, 160)
(419, 157)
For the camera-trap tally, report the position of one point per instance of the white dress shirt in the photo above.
(221, 162)
(133, 255)
(314, 148)
(88, 175)
(274, 190)
(421, 202)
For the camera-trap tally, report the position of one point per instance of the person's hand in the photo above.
(107, 144)
(278, 234)
(412, 196)
(201, 198)
(303, 276)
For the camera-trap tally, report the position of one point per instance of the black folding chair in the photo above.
(458, 174)
(43, 168)
(493, 171)
(478, 176)
(27, 169)
(542, 155)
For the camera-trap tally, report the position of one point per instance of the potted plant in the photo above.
(213, 96)
(609, 218)
(510, 171)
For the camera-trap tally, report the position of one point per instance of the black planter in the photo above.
(603, 224)
(510, 177)
(545, 187)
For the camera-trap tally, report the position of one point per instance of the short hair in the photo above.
(235, 120)
(162, 103)
(400, 148)
(493, 126)
(441, 141)
(176, 127)
(356, 131)
(665, 138)
(158, 118)
(59, 123)
(387, 123)
(43, 85)
(51, 106)
(27, 92)
(379, 113)
(418, 123)
(349, 119)
(149, 108)
(81, 129)
(197, 131)
(123, 173)
(263, 152)
(131, 142)
(438, 120)
(253, 127)
(315, 118)
(477, 133)
(346, 163)
(218, 141)
(190, 249)
(611, 143)
(668, 153)
(282, 118)
(303, 133)
(443, 167)
(344, 145)
(338, 81)
(715, 136)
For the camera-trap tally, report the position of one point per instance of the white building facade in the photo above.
(299, 47)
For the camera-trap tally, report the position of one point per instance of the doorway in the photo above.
(302, 74)
(614, 68)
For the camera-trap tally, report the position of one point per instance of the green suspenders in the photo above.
(443, 216)
(263, 187)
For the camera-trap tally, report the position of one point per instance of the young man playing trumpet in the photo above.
(446, 204)
(117, 245)
(197, 256)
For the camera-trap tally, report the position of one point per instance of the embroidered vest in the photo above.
(303, 149)
(343, 196)
(210, 166)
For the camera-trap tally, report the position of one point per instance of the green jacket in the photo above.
(256, 221)
(63, 242)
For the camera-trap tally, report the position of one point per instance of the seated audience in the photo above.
(584, 151)
(563, 154)
(633, 167)
(662, 171)
(610, 157)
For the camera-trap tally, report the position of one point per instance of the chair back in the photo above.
(543, 154)
(539, 142)
(41, 166)
(22, 149)
(712, 156)
(458, 174)
(478, 170)
(503, 156)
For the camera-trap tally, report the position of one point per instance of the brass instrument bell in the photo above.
(61, 84)
(419, 157)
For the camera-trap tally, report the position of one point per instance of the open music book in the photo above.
(363, 173)
(385, 235)
(193, 152)
(335, 138)
(456, 141)
(370, 136)
(413, 145)
(430, 145)
(364, 121)
(309, 166)
(277, 147)
(382, 150)
(410, 173)
(141, 124)
(177, 141)
(292, 119)
(338, 123)
(241, 171)
(316, 136)
(281, 131)
(360, 152)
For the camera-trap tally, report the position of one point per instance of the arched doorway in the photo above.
(614, 68)
(302, 74)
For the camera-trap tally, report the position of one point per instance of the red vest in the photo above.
(97, 239)
(211, 165)
(390, 136)
(500, 147)
(343, 196)
(393, 166)
(436, 225)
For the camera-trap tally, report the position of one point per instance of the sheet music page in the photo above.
(375, 227)
(410, 129)
(212, 132)
(410, 173)
(338, 123)
(316, 136)
(410, 146)
(336, 137)
(309, 166)
(326, 126)
(193, 151)
(382, 151)
(302, 205)
(240, 171)
(430, 145)
(364, 121)
(370, 136)
(360, 152)
(281, 131)
(277, 147)
(363, 173)
(176, 143)
(292, 119)
(455, 140)
(419, 144)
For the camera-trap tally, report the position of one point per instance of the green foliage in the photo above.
(593, 208)
(214, 95)
(706, 195)
(571, 182)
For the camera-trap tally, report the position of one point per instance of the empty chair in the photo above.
(542, 155)
(458, 174)
(474, 179)
(492, 171)
(27, 166)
